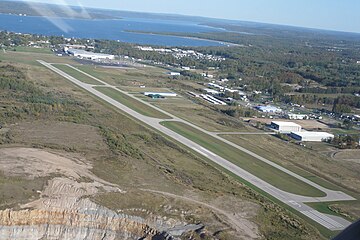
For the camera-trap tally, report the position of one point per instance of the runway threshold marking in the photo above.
(323, 219)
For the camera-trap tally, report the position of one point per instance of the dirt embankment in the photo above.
(63, 210)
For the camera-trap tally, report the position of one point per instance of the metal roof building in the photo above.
(311, 136)
(285, 127)
(268, 109)
(89, 55)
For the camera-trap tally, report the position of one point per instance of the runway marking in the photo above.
(207, 151)
(199, 151)
(295, 204)
(323, 219)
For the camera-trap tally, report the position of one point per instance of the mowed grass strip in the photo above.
(325, 207)
(260, 169)
(132, 103)
(76, 74)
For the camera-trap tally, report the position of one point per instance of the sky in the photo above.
(340, 15)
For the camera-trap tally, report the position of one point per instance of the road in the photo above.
(244, 133)
(296, 202)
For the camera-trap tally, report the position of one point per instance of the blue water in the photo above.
(109, 29)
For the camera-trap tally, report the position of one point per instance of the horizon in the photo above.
(134, 7)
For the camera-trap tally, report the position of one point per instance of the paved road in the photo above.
(244, 133)
(292, 200)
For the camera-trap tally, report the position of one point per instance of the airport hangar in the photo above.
(311, 136)
(285, 127)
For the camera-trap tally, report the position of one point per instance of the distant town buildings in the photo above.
(181, 53)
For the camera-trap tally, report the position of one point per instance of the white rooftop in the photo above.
(310, 134)
(279, 123)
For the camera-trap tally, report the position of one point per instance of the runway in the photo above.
(296, 202)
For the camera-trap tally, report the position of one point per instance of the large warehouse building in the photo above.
(89, 55)
(311, 136)
(285, 127)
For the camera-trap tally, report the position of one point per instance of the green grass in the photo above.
(260, 169)
(323, 208)
(340, 131)
(132, 103)
(31, 50)
(313, 164)
(76, 74)
(127, 77)
(291, 156)
(328, 234)
(326, 208)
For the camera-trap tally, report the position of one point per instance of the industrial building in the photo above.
(89, 55)
(212, 100)
(160, 94)
(211, 91)
(293, 116)
(285, 127)
(268, 109)
(311, 136)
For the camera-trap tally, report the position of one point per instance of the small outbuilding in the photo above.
(175, 74)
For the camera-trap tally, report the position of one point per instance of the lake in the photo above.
(110, 29)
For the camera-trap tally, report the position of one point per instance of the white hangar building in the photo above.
(285, 127)
(311, 136)
(89, 55)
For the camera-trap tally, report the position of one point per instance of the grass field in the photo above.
(340, 176)
(262, 170)
(324, 207)
(202, 116)
(76, 74)
(29, 58)
(33, 50)
(132, 103)
(149, 76)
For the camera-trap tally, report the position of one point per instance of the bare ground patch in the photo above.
(352, 155)
(63, 135)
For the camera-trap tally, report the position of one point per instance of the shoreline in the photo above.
(223, 43)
